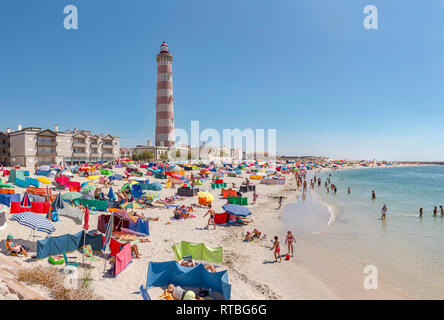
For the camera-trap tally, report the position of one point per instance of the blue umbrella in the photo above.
(34, 221)
(25, 203)
(236, 210)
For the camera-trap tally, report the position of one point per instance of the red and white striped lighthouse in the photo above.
(164, 101)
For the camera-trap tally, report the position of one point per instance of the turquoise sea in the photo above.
(407, 250)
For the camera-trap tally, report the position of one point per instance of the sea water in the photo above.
(407, 250)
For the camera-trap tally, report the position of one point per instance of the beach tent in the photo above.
(111, 195)
(200, 252)
(2, 217)
(67, 243)
(71, 196)
(162, 274)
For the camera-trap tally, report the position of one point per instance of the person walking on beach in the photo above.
(435, 211)
(211, 219)
(255, 195)
(280, 202)
(289, 240)
(420, 212)
(383, 212)
(277, 249)
(373, 195)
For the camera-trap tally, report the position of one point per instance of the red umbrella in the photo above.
(86, 226)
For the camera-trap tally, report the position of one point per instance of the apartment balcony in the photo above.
(79, 155)
(94, 145)
(46, 153)
(95, 155)
(79, 144)
(107, 154)
(43, 143)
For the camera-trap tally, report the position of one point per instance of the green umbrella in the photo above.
(70, 196)
(87, 188)
(132, 205)
(5, 185)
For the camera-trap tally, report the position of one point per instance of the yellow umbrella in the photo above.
(93, 177)
(44, 180)
(206, 195)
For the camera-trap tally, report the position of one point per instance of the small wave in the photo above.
(331, 209)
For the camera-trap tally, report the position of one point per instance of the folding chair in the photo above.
(68, 263)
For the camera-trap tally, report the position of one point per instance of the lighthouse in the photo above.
(164, 100)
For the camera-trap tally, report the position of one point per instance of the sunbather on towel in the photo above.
(192, 263)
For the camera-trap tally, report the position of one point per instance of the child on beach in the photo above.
(211, 219)
(277, 249)
(289, 240)
(383, 212)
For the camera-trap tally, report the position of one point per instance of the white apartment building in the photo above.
(33, 146)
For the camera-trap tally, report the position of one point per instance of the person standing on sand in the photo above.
(373, 195)
(289, 240)
(420, 212)
(255, 195)
(383, 212)
(277, 249)
(280, 202)
(211, 219)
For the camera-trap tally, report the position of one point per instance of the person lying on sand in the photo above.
(191, 263)
(142, 216)
(248, 237)
(178, 293)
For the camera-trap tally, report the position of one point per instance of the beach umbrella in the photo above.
(25, 203)
(87, 188)
(132, 205)
(5, 185)
(68, 174)
(58, 202)
(44, 168)
(70, 196)
(44, 180)
(150, 196)
(34, 221)
(92, 177)
(206, 195)
(108, 233)
(111, 195)
(236, 210)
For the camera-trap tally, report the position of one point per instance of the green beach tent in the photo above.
(200, 252)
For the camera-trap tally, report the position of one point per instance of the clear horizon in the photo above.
(306, 68)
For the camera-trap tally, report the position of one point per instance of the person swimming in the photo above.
(435, 211)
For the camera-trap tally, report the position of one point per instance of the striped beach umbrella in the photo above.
(108, 234)
(25, 203)
(132, 205)
(150, 196)
(34, 221)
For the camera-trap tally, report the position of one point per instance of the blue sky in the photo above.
(307, 68)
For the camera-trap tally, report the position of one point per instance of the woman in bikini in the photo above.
(211, 219)
(277, 249)
(289, 240)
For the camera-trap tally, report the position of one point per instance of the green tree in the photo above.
(164, 157)
(147, 155)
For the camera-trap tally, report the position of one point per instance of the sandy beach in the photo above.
(253, 274)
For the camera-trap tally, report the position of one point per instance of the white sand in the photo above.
(250, 273)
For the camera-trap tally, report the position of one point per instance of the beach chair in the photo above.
(68, 263)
